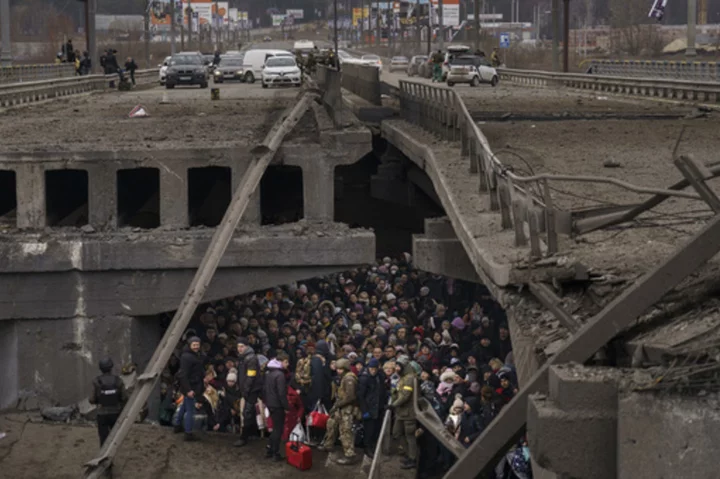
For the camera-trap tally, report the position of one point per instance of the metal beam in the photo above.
(696, 173)
(613, 319)
(222, 237)
(587, 225)
(552, 302)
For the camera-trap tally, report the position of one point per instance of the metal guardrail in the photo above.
(703, 71)
(525, 203)
(707, 92)
(29, 92)
(28, 73)
(443, 111)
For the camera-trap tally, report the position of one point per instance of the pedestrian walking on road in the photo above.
(109, 396)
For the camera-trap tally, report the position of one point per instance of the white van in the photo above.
(254, 61)
(304, 45)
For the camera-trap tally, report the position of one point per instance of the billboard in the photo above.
(278, 19)
(297, 13)
(205, 9)
(359, 14)
(160, 12)
(451, 12)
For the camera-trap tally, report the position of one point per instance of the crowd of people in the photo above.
(339, 352)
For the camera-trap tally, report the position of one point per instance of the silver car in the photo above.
(471, 69)
(398, 63)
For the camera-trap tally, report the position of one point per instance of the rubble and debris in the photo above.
(58, 414)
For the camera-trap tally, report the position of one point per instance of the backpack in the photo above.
(303, 373)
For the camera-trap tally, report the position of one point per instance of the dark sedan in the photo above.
(230, 68)
(186, 70)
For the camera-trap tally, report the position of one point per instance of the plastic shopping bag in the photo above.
(298, 434)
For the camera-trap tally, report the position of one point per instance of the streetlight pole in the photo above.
(476, 19)
(566, 35)
(188, 10)
(6, 52)
(441, 25)
(90, 11)
(335, 28)
(691, 30)
(556, 35)
(172, 27)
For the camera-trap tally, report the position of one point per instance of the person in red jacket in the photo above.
(297, 411)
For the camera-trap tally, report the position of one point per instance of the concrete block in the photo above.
(440, 228)
(9, 368)
(574, 387)
(667, 436)
(578, 444)
(443, 256)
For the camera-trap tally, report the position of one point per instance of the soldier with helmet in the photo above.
(404, 408)
(343, 414)
(109, 396)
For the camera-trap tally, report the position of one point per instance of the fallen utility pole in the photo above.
(601, 328)
(223, 234)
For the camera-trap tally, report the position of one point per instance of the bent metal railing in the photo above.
(525, 203)
(690, 90)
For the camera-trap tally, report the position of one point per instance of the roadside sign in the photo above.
(504, 40)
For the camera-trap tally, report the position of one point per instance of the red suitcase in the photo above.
(298, 455)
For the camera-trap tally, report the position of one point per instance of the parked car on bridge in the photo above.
(453, 52)
(473, 70)
(229, 69)
(281, 71)
(163, 70)
(372, 60)
(413, 68)
(398, 63)
(254, 62)
(186, 69)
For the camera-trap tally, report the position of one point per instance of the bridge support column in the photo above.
(573, 430)
(318, 189)
(102, 196)
(30, 196)
(173, 197)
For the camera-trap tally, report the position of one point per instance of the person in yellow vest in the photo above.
(404, 407)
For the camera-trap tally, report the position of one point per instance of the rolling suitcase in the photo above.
(298, 455)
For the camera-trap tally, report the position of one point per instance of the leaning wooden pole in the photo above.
(196, 291)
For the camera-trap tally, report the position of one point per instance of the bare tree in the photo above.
(633, 33)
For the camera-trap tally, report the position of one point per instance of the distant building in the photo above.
(127, 23)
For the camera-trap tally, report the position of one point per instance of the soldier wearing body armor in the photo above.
(109, 396)
(404, 407)
(251, 385)
(343, 414)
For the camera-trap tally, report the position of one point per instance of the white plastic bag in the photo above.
(298, 434)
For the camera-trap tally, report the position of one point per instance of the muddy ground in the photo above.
(43, 450)
(189, 119)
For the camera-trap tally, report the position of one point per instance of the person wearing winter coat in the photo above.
(372, 399)
(470, 427)
(294, 415)
(276, 400)
(190, 377)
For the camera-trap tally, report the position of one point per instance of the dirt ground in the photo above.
(189, 119)
(43, 450)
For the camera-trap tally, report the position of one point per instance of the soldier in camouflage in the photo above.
(404, 408)
(343, 414)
